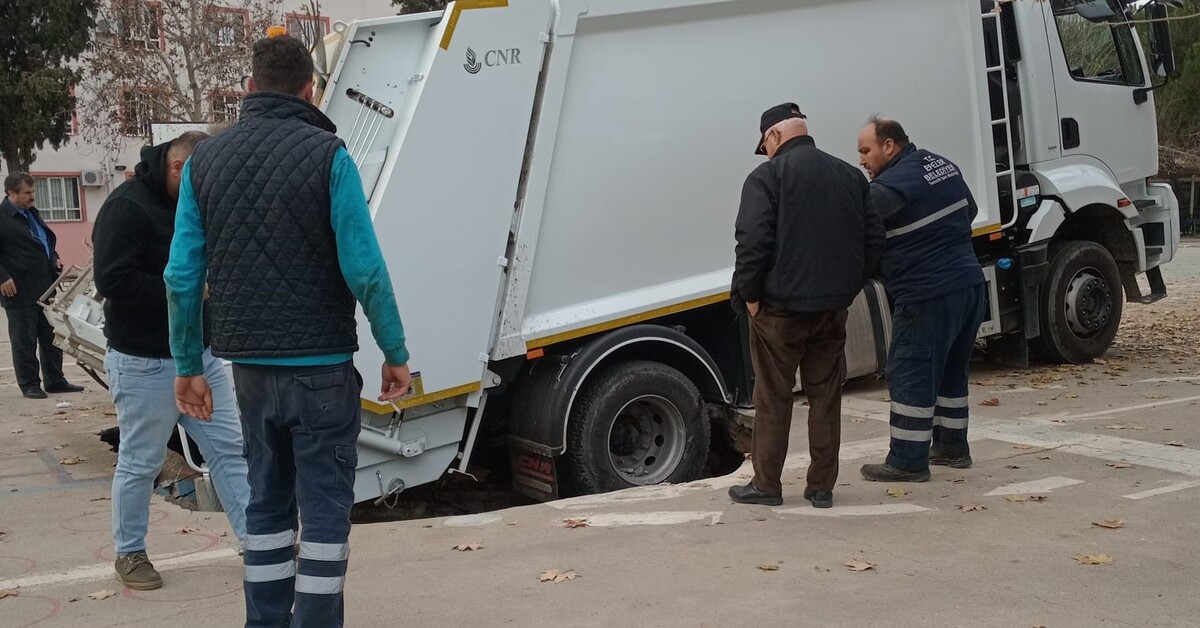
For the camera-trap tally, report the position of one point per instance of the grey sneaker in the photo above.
(135, 571)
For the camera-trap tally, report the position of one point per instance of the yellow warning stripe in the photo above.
(985, 230)
(466, 5)
(626, 320)
(413, 402)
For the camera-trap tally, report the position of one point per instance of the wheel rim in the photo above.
(1088, 303)
(645, 440)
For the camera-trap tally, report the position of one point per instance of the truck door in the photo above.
(1098, 65)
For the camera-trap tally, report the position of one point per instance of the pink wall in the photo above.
(71, 238)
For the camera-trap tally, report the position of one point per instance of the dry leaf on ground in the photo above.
(990, 402)
(985, 382)
(971, 507)
(187, 530)
(1013, 466)
(18, 431)
(1043, 457)
(468, 547)
(1093, 559)
(858, 420)
(103, 594)
(575, 523)
(897, 492)
(769, 567)
(9, 593)
(1111, 524)
(859, 565)
(1017, 498)
(556, 576)
(1175, 443)
(71, 461)
(1120, 465)
(1121, 426)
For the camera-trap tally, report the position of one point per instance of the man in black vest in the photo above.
(272, 211)
(29, 265)
(804, 244)
(937, 287)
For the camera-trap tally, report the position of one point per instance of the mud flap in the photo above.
(533, 469)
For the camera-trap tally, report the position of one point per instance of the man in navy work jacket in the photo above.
(273, 210)
(931, 272)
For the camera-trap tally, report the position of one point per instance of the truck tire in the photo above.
(1080, 304)
(638, 423)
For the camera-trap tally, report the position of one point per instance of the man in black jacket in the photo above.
(805, 242)
(29, 265)
(133, 239)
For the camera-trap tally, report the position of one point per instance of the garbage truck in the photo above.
(554, 184)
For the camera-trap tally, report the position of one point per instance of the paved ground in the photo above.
(1058, 450)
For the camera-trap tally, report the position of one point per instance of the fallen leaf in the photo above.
(468, 547)
(986, 382)
(972, 507)
(1120, 465)
(1017, 498)
(1022, 446)
(858, 420)
(103, 594)
(1111, 524)
(1119, 426)
(72, 461)
(859, 565)
(769, 567)
(897, 492)
(1043, 457)
(9, 593)
(187, 530)
(1013, 466)
(1037, 498)
(1072, 396)
(18, 431)
(109, 413)
(1093, 559)
(1100, 361)
(1175, 443)
(99, 499)
(575, 523)
(956, 480)
(32, 451)
(59, 447)
(556, 576)
(62, 405)
(990, 402)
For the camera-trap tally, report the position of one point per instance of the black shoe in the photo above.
(34, 393)
(888, 473)
(945, 460)
(819, 499)
(65, 387)
(749, 495)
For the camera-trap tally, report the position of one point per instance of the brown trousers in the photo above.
(781, 342)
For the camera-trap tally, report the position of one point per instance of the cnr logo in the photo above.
(491, 59)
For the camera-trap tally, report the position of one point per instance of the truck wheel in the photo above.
(1081, 304)
(639, 423)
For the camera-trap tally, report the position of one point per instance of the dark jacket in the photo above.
(262, 188)
(805, 239)
(927, 211)
(23, 258)
(132, 240)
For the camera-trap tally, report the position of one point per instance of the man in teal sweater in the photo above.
(272, 214)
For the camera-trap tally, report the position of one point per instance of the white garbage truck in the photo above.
(554, 184)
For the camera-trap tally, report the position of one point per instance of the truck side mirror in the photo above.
(1163, 54)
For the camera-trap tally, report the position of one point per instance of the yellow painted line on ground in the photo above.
(625, 320)
(422, 400)
(466, 5)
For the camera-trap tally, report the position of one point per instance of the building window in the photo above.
(307, 28)
(138, 110)
(140, 24)
(228, 27)
(57, 198)
(225, 106)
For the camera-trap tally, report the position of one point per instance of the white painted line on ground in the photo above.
(104, 571)
(473, 521)
(1167, 380)
(1142, 406)
(1044, 485)
(849, 451)
(625, 496)
(1046, 435)
(1022, 389)
(1164, 490)
(620, 519)
(854, 511)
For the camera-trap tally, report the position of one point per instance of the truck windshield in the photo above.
(1102, 52)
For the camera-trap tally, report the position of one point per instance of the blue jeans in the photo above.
(143, 390)
(302, 427)
(929, 364)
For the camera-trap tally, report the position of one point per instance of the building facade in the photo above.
(72, 182)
